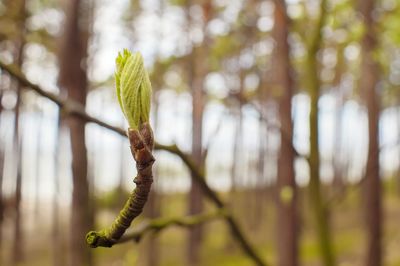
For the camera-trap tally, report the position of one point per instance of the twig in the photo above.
(212, 139)
(73, 108)
(141, 147)
(284, 134)
(157, 225)
(274, 126)
(69, 107)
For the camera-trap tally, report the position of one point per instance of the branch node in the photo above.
(141, 148)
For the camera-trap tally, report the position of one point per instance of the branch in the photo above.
(69, 107)
(204, 154)
(73, 108)
(141, 147)
(157, 225)
(284, 134)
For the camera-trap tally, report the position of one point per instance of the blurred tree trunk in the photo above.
(318, 204)
(38, 149)
(398, 145)
(18, 249)
(337, 156)
(153, 206)
(237, 165)
(260, 189)
(198, 70)
(237, 161)
(56, 244)
(338, 168)
(195, 196)
(372, 184)
(17, 256)
(1, 165)
(152, 211)
(120, 189)
(72, 77)
(237, 145)
(286, 183)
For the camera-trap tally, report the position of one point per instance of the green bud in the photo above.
(133, 88)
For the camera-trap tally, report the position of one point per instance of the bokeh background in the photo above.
(289, 110)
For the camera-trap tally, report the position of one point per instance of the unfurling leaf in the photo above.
(133, 88)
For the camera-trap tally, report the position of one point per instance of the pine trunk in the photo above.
(1, 168)
(17, 256)
(372, 184)
(286, 184)
(56, 245)
(73, 79)
(319, 207)
(198, 70)
(153, 208)
(196, 197)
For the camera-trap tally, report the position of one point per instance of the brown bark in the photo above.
(153, 207)
(56, 243)
(237, 164)
(319, 207)
(195, 196)
(372, 184)
(198, 70)
(261, 187)
(72, 77)
(17, 253)
(152, 211)
(2, 87)
(398, 144)
(286, 184)
(235, 167)
(338, 168)
(38, 150)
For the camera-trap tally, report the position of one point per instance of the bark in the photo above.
(286, 184)
(237, 163)
(56, 243)
(159, 224)
(1, 166)
(17, 253)
(398, 145)
(120, 188)
(72, 78)
(198, 70)
(372, 184)
(195, 196)
(235, 167)
(153, 207)
(338, 176)
(142, 144)
(338, 167)
(38, 149)
(261, 187)
(151, 246)
(319, 207)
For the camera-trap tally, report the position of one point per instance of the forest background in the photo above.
(277, 126)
